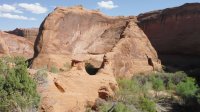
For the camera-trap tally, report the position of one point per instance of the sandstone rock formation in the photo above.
(68, 33)
(29, 33)
(174, 31)
(74, 90)
(15, 45)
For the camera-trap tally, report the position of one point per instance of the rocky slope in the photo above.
(29, 33)
(15, 45)
(74, 90)
(175, 33)
(71, 33)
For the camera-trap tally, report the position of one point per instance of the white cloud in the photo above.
(107, 4)
(13, 16)
(9, 8)
(34, 8)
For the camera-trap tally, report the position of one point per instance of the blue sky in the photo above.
(30, 13)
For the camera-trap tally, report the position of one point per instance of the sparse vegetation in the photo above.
(158, 84)
(119, 107)
(54, 69)
(41, 76)
(17, 89)
(147, 105)
(134, 95)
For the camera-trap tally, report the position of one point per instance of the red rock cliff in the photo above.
(69, 32)
(29, 33)
(174, 30)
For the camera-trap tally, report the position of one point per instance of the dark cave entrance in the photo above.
(91, 69)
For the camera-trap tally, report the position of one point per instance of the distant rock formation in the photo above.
(29, 33)
(75, 31)
(174, 30)
(15, 46)
(174, 33)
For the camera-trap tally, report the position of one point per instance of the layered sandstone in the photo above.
(15, 46)
(174, 30)
(68, 33)
(28, 33)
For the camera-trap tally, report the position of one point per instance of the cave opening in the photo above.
(91, 69)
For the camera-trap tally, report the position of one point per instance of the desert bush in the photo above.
(198, 97)
(119, 107)
(157, 83)
(17, 89)
(187, 88)
(170, 85)
(41, 76)
(147, 105)
(104, 107)
(129, 91)
(135, 92)
(178, 77)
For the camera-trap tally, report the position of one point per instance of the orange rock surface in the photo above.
(74, 90)
(75, 31)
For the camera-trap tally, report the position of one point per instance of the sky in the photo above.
(31, 13)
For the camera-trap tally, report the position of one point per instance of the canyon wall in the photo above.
(28, 33)
(174, 30)
(174, 33)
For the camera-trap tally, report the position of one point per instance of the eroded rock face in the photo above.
(174, 30)
(28, 33)
(15, 46)
(69, 32)
(74, 90)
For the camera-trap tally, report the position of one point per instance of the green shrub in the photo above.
(129, 91)
(171, 85)
(54, 69)
(17, 89)
(147, 105)
(157, 83)
(104, 107)
(187, 88)
(119, 107)
(134, 93)
(198, 97)
(178, 77)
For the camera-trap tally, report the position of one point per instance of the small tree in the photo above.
(17, 89)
